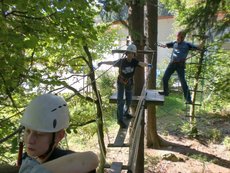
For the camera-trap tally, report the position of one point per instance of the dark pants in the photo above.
(180, 69)
(121, 90)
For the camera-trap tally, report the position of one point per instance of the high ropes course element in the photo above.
(198, 78)
(195, 71)
(136, 143)
(136, 138)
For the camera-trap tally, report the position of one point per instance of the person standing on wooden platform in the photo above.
(127, 68)
(177, 63)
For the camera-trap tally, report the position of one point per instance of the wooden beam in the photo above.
(138, 51)
(152, 97)
(116, 167)
(120, 138)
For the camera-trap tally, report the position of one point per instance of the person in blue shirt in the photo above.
(177, 63)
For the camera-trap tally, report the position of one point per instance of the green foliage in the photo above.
(40, 41)
(107, 86)
(214, 135)
(218, 81)
(199, 157)
(210, 18)
(227, 142)
(173, 105)
(189, 129)
(186, 127)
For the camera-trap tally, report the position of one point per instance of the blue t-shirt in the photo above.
(180, 50)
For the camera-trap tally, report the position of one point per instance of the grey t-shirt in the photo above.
(30, 165)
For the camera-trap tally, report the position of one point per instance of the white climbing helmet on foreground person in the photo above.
(46, 113)
(132, 48)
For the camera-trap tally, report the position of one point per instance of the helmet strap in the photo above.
(44, 156)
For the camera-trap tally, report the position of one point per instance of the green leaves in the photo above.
(30, 42)
(40, 41)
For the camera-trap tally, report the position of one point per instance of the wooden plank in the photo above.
(138, 51)
(124, 167)
(152, 97)
(116, 167)
(120, 138)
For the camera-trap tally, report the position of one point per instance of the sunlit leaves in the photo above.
(40, 41)
(210, 18)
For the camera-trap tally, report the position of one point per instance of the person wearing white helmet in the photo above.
(45, 120)
(127, 68)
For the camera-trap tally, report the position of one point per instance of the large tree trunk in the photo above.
(136, 30)
(152, 18)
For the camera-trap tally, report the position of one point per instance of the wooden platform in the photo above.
(152, 97)
(120, 138)
(138, 51)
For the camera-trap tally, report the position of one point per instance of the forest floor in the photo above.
(206, 152)
(203, 153)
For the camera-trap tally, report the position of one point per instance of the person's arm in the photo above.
(195, 47)
(168, 45)
(143, 64)
(106, 62)
(163, 45)
(81, 162)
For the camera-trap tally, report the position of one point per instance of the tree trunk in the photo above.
(153, 139)
(99, 112)
(136, 30)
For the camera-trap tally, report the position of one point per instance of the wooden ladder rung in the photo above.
(121, 135)
(117, 145)
(116, 167)
(192, 116)
(196, 90)
(196, 104)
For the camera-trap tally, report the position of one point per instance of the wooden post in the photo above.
(140, 156)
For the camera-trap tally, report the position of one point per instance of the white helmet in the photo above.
(46, 113)
(132, 48)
